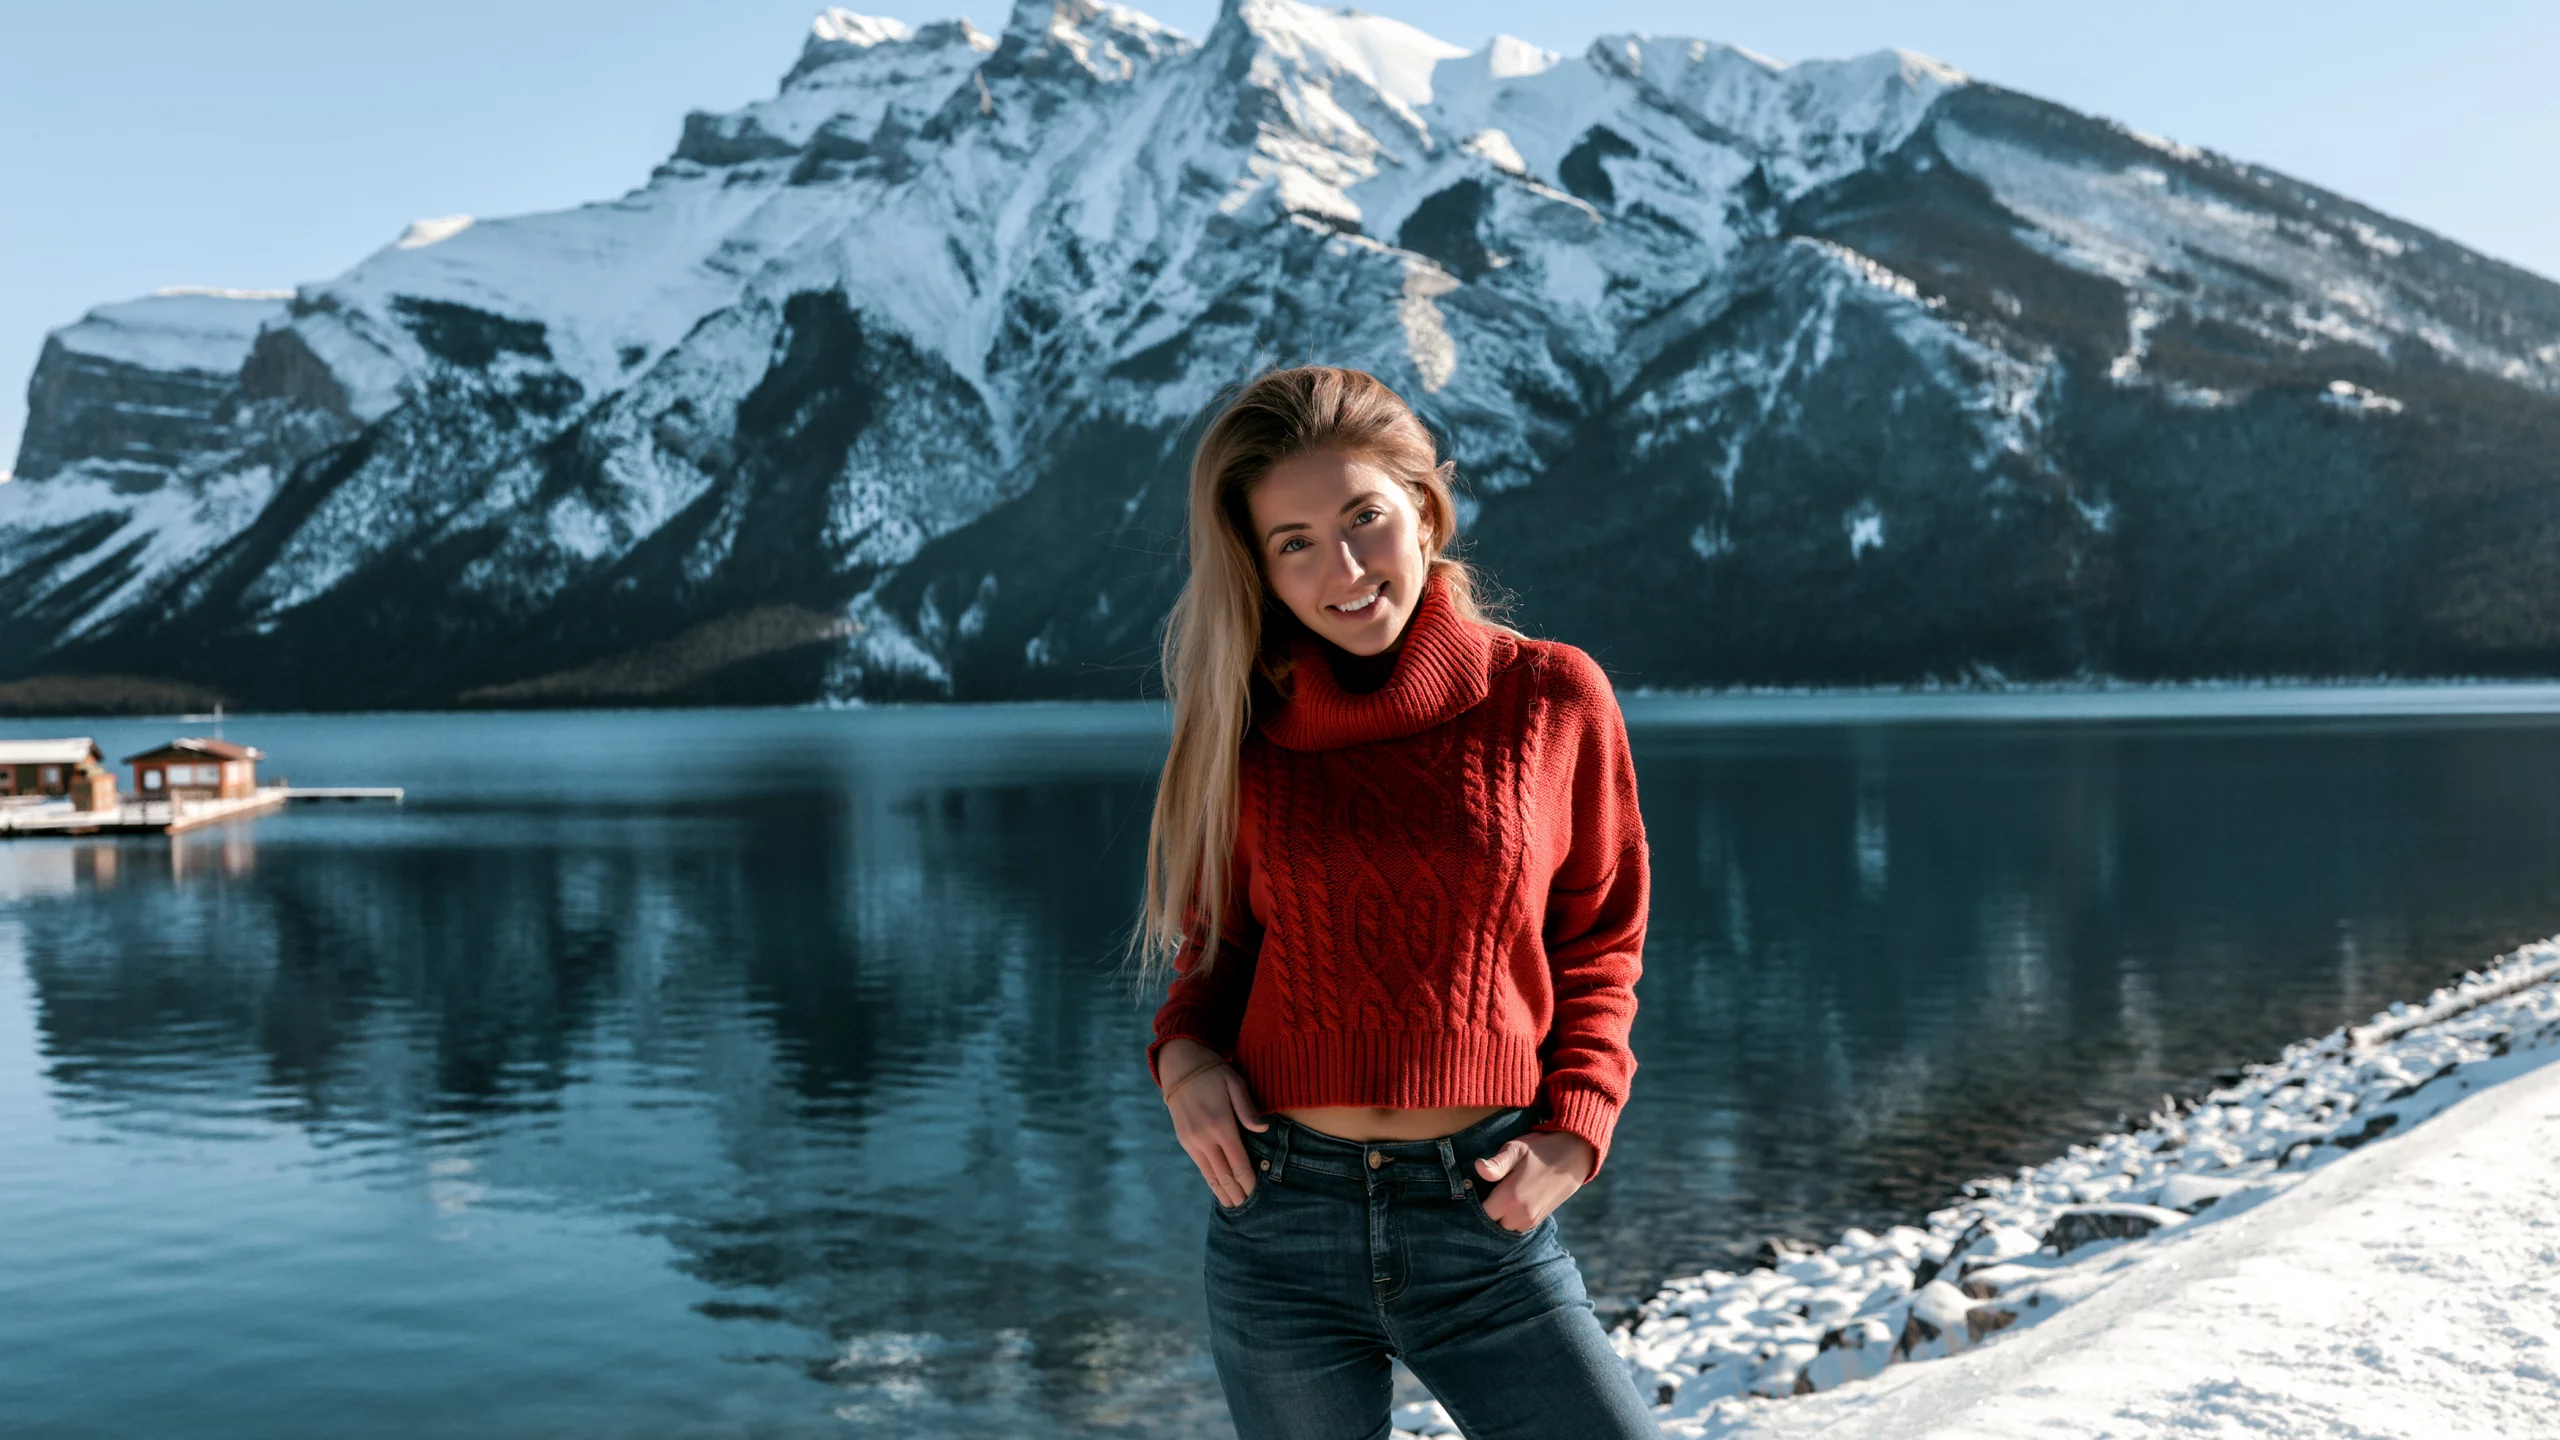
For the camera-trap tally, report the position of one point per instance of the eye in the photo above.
(1292, 540)
(1365, 514)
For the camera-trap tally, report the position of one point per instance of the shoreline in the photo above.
(2094, 699)
(1725, 1353)
(2216, 700)
(2103, 685)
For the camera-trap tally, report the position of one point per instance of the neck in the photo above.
(1362, 674)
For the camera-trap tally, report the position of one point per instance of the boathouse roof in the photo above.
(48, 752)
(196, 747)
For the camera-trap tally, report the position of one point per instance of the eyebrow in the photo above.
(1347, 507)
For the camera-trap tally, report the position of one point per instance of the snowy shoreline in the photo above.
(1722, 1353)
(2171, 700)
(2100, 685)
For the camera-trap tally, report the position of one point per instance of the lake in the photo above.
(765, 1073)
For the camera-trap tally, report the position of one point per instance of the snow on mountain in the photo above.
(203, 331)
(880, 386)
(852, 70)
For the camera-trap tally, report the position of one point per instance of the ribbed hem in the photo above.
(1401, 1069)
(1587, 1113)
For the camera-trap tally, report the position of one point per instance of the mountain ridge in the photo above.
(1840, 372)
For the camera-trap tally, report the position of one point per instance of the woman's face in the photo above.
(1334, 530)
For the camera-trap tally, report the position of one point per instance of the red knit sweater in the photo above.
(1439, 887)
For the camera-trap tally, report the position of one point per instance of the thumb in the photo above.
(1245, 1112)
(1499, 1163)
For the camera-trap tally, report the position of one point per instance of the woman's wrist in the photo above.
(1178, 1057)
(1574, 1154)
(1188, 1076)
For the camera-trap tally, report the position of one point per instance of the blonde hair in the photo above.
(1227, 628)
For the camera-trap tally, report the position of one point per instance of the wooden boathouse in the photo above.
(32, 771)
(196, 769)
(63, 787)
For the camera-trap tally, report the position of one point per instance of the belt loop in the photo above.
(1449, 1162)
(1280, 1146)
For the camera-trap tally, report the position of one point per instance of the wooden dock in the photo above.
(163, 817)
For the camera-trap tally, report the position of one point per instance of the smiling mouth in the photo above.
(1364, 604)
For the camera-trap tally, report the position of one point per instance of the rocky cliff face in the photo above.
(1837, 372)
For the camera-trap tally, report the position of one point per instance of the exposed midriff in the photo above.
(1385, 1122)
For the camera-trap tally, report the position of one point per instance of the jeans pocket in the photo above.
(1473, 1203)
(1238, 1212)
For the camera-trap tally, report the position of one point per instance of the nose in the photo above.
(1349, 568)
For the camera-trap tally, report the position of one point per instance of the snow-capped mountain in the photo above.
(884, 387)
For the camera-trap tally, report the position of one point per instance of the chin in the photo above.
(1370, 640)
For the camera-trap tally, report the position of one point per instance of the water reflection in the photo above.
(843, 1041)
(764, 1073)
(1898, 957)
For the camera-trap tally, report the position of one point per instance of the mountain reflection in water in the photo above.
(765, 1072)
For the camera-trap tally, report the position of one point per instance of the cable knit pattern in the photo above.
(1439, 887)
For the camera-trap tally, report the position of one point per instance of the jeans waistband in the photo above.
(1288, 1148)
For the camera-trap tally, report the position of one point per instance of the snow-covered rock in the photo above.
(2088, 1224)
(1736, 359)
(2402, 1289)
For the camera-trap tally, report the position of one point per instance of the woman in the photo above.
(1414, 832)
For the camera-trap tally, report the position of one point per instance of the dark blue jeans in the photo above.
(1347, 1254)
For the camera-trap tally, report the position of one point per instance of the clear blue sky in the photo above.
(259, 143)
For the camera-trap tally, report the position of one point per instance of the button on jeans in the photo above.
(1347, 1254)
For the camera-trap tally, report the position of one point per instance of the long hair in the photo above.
(1227, 629)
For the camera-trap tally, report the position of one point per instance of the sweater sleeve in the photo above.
(1209, 1008)
(1595, 924)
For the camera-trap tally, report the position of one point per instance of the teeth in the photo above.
(1365, 601)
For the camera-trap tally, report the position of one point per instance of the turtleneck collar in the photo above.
(1444, 664)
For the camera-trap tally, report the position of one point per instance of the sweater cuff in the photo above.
(1179, 1030)
(1587, 1113)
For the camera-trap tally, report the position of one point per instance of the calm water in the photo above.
(760, 1074)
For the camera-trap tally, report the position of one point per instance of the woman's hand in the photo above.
(1206, 1113)
(1537, 1173)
